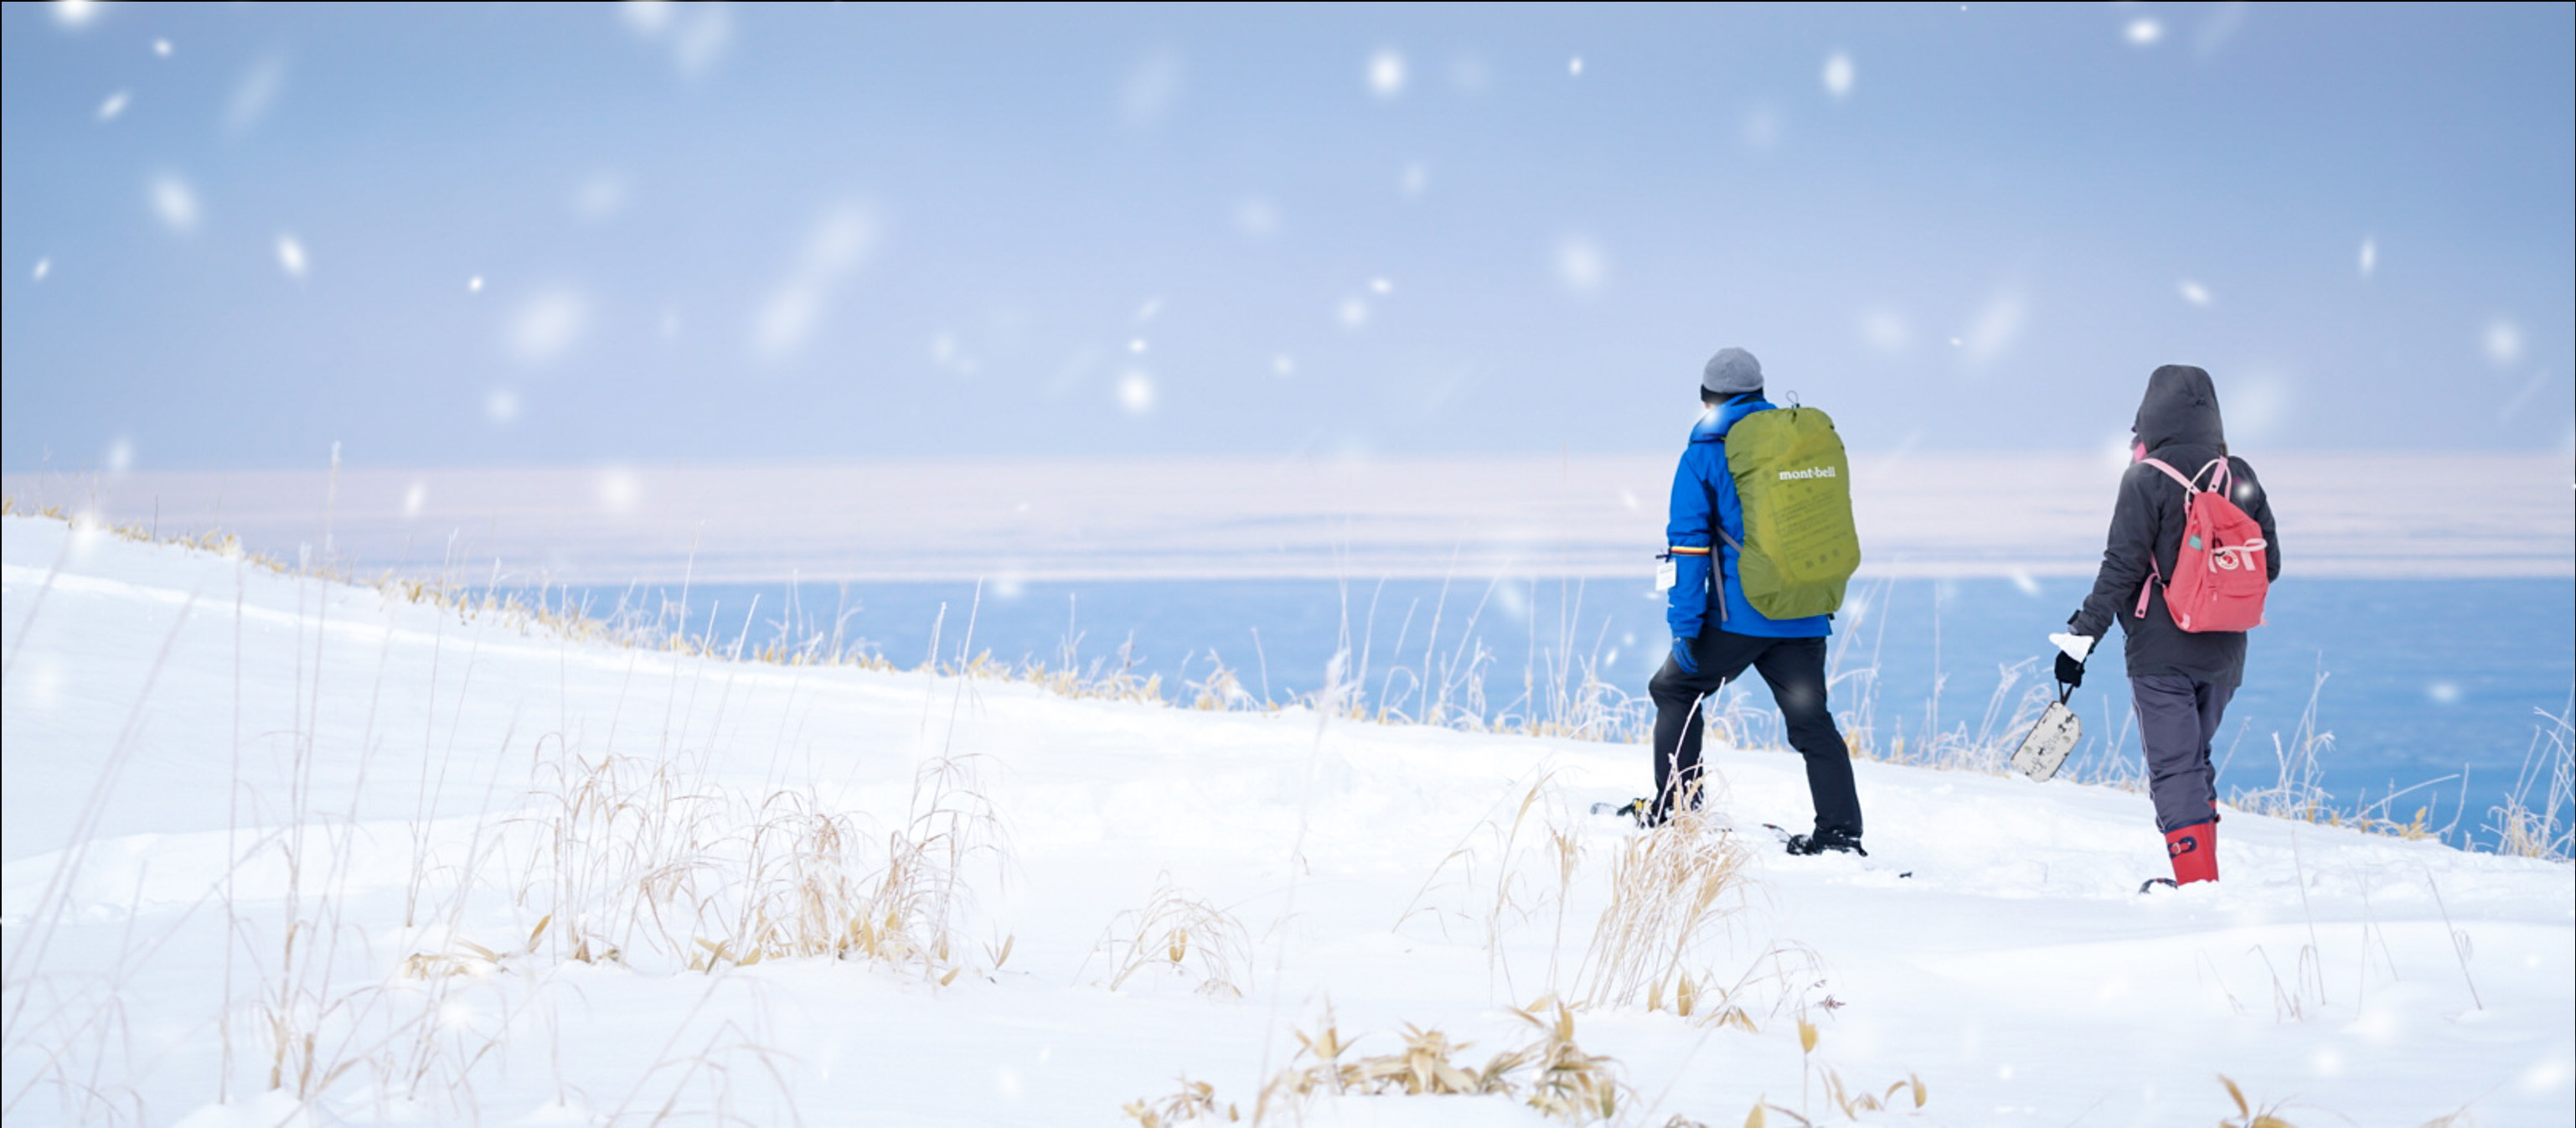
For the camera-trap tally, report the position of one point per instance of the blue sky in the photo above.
(537, 235)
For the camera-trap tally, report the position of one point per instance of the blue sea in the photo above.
(2432, 690)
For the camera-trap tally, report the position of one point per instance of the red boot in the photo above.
(2194, 850)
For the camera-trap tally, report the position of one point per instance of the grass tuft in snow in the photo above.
(1552, 1073)
(1671, 889)
(1176, 936)
(2523, 830)
(2247, 1114)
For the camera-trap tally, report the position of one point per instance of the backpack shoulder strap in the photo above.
(2218, 472)
(2155, 573)
(1717, 525)
(2172, 473)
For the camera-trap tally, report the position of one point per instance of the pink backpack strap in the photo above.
(2170, 472)
(2218, 473)
(2156, 575)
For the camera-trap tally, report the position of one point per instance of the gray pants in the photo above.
(2176, 719)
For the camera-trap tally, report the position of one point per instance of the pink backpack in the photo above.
(2220, 575)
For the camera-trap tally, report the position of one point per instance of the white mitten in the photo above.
(2076, 646)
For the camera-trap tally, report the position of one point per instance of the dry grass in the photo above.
(1195, 1101)
(1178, 937)
(2249, 1115)
(1551, 1073)
(1671, 890)
(1663, 929)
(639, 858)
(2543, 831)
(1531, 876)
(1907, 1094)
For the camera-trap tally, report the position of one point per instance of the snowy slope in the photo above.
(412, 824)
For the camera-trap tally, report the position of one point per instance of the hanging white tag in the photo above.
(1666, 574)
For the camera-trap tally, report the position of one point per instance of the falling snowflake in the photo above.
(840, 244)
(697, 36)
(2145, 32)
(1886, 331)
(547, 326)
(1580, 264)
(175, 203)
(2193, 292)
(290, 256)
(599, 199)
(1136, 391)
(1997, 327)
(1256, 217)
(1838, 75)
(1151, 90)
(1762, 129)
(114, 106)
(2503, 341)
(620, 490)
(255, 95)
(1386, 74)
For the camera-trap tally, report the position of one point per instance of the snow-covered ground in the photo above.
(270, 832)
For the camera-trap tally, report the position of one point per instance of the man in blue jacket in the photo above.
(1717, 633)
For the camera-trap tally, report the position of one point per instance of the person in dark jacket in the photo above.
(1717, 633)
(2180, 680)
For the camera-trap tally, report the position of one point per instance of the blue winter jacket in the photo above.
(1702, 485)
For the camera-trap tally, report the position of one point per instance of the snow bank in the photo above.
(265, 832)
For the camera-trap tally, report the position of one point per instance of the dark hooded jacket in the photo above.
(2178, 423)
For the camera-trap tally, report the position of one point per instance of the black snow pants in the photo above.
(1795, 670)
(2177, 717)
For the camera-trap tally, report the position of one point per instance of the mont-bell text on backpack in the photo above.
(1800, 547)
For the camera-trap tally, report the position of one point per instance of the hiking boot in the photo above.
(2194, 850)
(1823, 840)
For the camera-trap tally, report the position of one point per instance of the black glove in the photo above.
(2070, 673)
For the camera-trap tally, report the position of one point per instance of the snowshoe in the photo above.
(1836, 841)
(1640, 811)
(1823, 840)
(2152, 884)
(2045, 749)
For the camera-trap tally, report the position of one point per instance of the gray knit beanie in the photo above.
(1730, 372)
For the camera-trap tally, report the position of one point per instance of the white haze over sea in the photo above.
(1940, 514)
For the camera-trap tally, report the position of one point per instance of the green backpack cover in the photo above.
(1800, 546)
